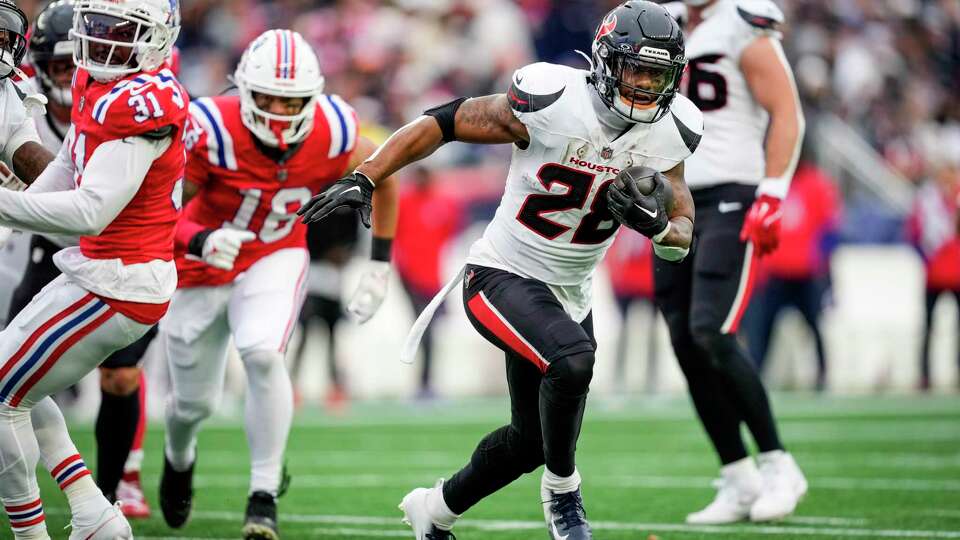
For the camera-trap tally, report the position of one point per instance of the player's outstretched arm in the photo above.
(485, 120)
(372, 289)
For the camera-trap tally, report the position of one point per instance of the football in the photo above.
(645, 180)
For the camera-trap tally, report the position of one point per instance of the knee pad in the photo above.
(570, 376)
(259, 362)
(506, 445)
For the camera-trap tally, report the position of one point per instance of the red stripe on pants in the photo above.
(492, 321)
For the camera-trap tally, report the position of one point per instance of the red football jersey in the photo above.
(242, 188)
(134, 105)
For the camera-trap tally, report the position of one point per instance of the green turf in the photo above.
(878, 468)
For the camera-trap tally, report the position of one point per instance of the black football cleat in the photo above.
(176, 494)
(261, 520)
(566, 518)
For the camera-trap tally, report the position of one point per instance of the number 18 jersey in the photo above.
(242, 188)
(553, 224)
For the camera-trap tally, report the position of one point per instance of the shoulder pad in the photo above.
(165, 86)
(537, 86)
(205, 113)
(760, 14)
(689, 121)
(341, 120)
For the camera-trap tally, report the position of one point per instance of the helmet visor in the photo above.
(644, 81)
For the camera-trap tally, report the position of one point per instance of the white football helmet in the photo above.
(113, 38)
(279, 63)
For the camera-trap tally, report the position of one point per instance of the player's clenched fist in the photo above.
(353, 191)
(219, 247)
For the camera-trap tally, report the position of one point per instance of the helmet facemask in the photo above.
(112, 40)
(277, 130)
(13, 44)
(638, 88)
(55, 73)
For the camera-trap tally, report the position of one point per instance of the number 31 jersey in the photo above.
(734, 123)
(553, 224)
(242, 188)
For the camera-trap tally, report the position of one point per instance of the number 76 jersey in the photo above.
(553, 224)
(242, 188)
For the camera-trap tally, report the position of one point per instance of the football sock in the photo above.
(441, 515)
(268, 412)
(115, 431)
(560, 484)
(19, 455)
(131, 469)
(717, 413)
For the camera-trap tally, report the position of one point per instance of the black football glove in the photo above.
(645, 214)
(353, 191)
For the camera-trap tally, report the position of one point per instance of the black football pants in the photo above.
(702, 299)
(549, 364)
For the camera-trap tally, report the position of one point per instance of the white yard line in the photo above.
(512, 525)
(351, 481)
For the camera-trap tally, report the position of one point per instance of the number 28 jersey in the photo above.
(734, 123)
(553, 224)
(242, 188)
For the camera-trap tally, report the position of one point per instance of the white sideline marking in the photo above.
(823, 520)
(348, 481)
(510, 525)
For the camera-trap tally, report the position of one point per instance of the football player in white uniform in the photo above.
(527, 284)
(120, 417)
(753, 126)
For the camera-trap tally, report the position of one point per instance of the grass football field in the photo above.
(878, 468)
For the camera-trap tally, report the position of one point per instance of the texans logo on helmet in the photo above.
(607, 26)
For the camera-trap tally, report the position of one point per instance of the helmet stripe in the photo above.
(286, 56)
(279, 47)
(293, 55)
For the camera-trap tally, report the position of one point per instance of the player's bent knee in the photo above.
(191, 411)
(571, 375)
(120, 381)
(261, 361)
(713, 341)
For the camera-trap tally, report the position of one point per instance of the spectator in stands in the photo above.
(630, 264)
(429, 219)
(798, 272)
(933, 229)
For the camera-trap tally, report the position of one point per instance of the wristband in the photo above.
(657, 238)
(380, 249)
(195, 246)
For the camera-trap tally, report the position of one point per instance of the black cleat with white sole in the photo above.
(566, 518)
(176, 494)
(261, 520)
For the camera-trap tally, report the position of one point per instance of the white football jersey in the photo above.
(552, 223)
(734, 123)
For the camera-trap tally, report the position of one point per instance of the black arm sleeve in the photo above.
(444, 115)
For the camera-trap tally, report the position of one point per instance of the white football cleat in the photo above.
(739, 487)
(110, 525)
(783, 487)
(417, 515)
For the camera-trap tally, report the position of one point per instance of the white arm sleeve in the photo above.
(58, 176)
(19, 128)
(110, 180)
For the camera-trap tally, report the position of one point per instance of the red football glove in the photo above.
(762, 225)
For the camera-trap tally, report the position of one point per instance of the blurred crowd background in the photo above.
(880, 168)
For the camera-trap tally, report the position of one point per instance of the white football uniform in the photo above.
(733, 150)
(552, 224)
